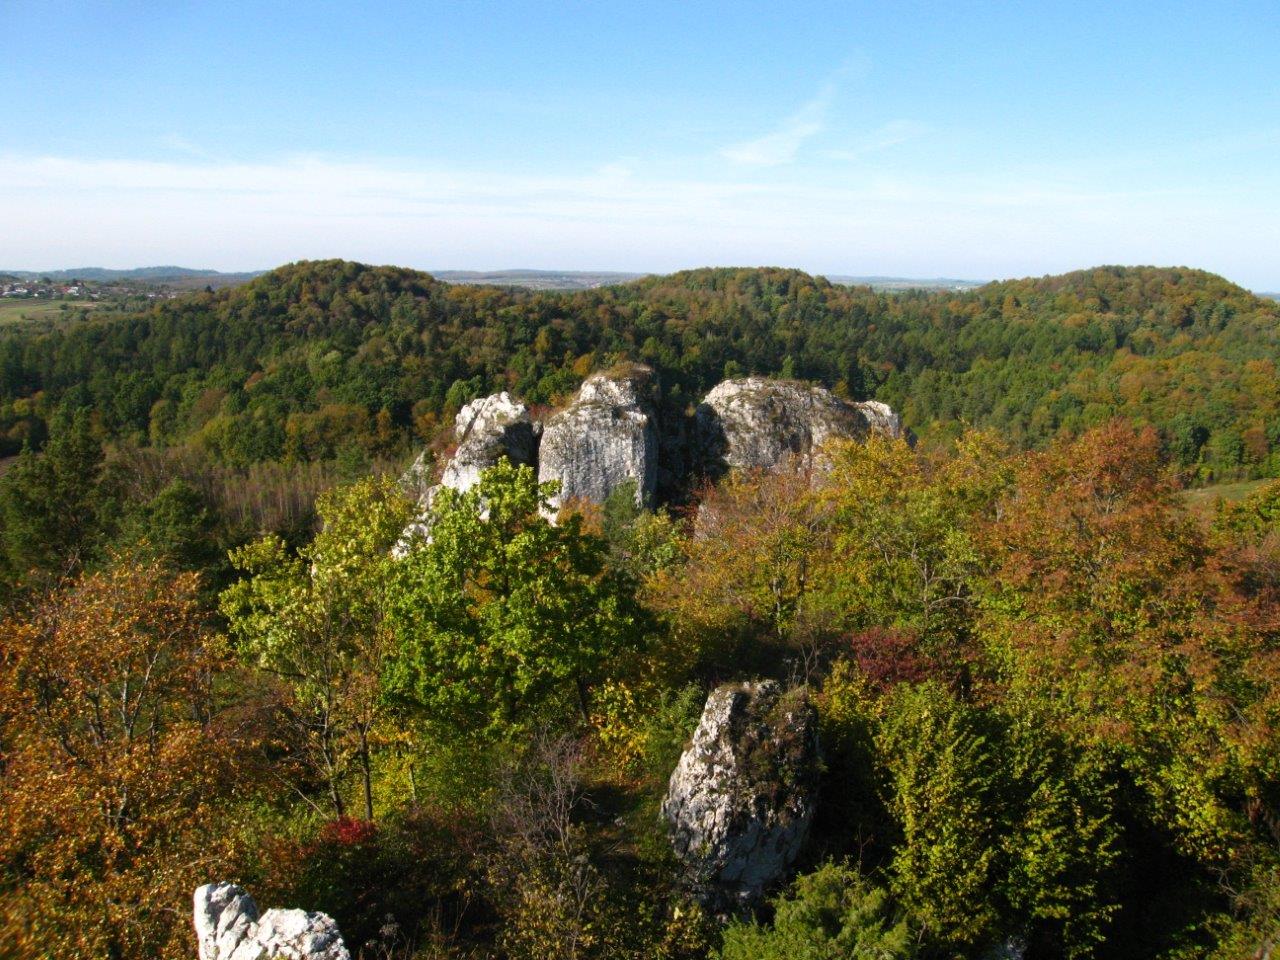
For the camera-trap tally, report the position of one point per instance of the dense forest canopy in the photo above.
(316, 356)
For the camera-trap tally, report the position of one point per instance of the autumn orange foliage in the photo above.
(116, 757)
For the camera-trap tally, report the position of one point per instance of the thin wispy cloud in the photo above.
(177, 143)
(884, 137)
(781, 145)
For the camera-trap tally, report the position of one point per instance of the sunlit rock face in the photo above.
(606, 438)
(485, 431)
(740, 801)
(228, 927)
(756, 423)
(609, 437)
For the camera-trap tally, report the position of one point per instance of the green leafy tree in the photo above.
(318, 620)
(178, 525)
(943, 774)
(903, 551)
(503, 619)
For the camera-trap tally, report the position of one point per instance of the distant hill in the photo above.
(537, 279)
(906, 283)
(590, 280)
(182, 277)
(188, 278)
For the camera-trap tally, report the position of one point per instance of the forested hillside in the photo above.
(1016, 699)
(317, 356)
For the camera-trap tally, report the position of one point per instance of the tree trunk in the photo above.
(367, 773)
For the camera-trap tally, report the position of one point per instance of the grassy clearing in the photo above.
(43, 311)
(1203, 500)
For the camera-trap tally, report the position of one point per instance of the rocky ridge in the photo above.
(228, 927)
(611, 435)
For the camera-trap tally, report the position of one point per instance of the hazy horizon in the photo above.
(836, 275)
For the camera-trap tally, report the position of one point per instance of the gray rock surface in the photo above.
(609, 436)
(602, 440)
(740, 801)
(228, 927)
(757, 423)
(881, 418)
(485, 430)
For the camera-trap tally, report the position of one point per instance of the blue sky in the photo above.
(920, 139)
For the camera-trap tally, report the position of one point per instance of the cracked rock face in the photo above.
(739, 804)
(756, 423)
(486, 430)
(604, 439)
(228, 927)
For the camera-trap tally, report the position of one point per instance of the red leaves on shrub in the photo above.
(348, 831)
(888, 656)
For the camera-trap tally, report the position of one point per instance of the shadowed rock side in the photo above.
(485, 430)
(228, 927)
(756, 423)
(740, 801)
(602, 440)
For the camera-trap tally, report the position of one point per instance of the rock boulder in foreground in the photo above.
(228, 927)
(740, 801)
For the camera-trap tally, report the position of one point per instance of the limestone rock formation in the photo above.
(602, 440)
(882, 418)
(608, 436)
(228, 927)
(756, 423)
(739, 804)
(485, 430)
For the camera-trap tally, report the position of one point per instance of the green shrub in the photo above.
(833, 913)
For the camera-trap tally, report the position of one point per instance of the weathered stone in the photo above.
(607, 437)
(485, 430)
(225, 916)
(881, 418)
(756, 423)
(228, 928)
(740, 801)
